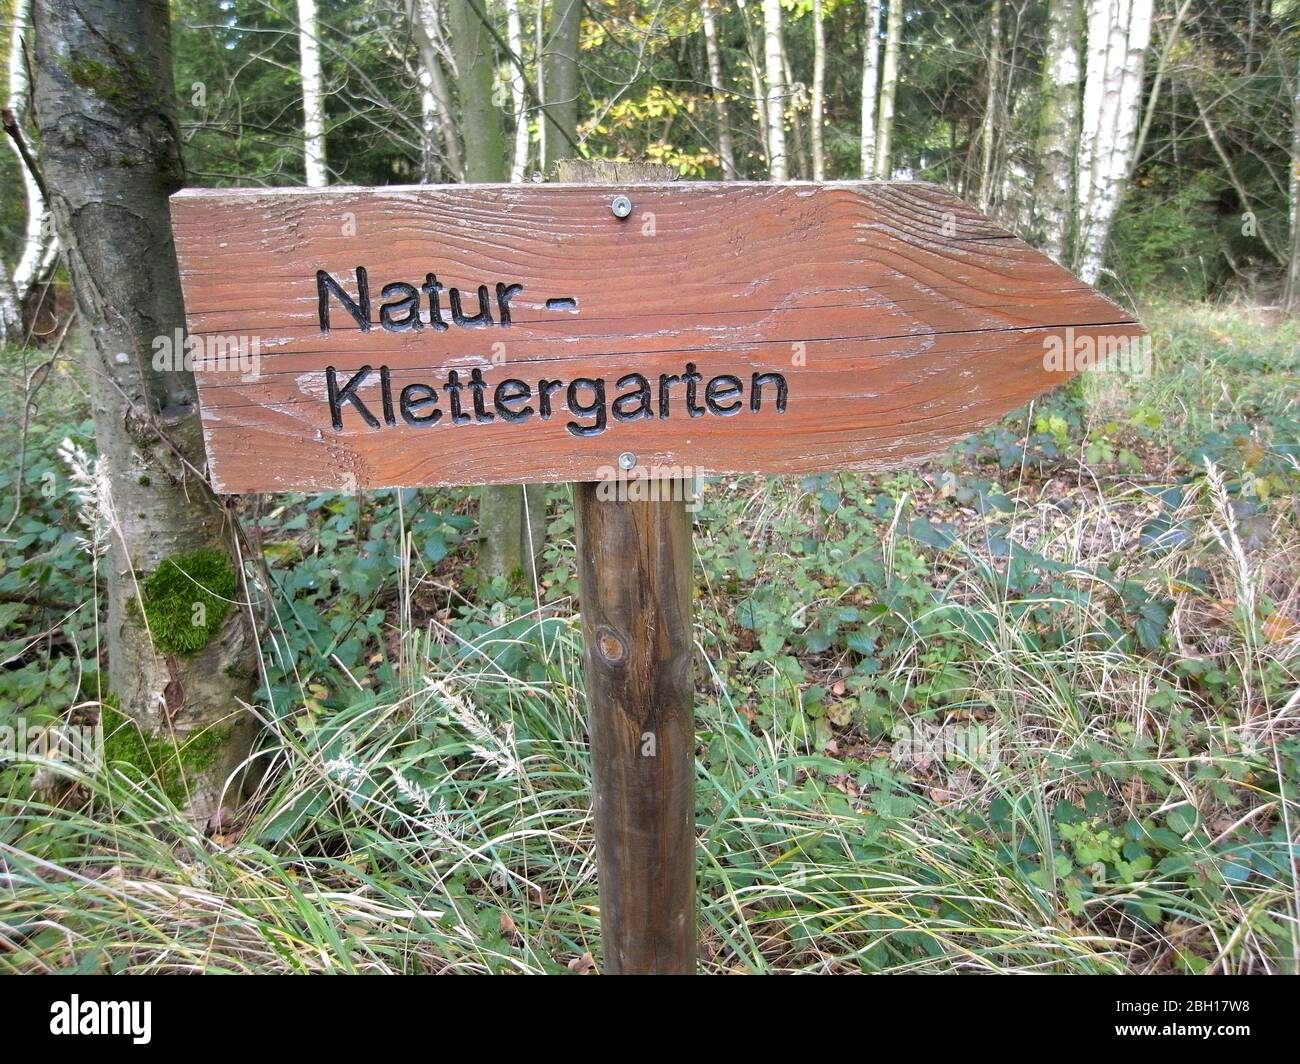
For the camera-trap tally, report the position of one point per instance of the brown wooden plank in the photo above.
(634, 565)
(899, 319)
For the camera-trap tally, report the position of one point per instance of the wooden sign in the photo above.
(408, 336)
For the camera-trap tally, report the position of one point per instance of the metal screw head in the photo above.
(627, 460)
(620, 206)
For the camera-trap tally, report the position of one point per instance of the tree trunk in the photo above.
(1291, 297)
(726, 151)
(1166, 52)
(795, 93)
(559, 141)
(759, 93)
(1059, 130)
(506, 539)
(1118, 34)
(11, 318)
(37, 254)
(436, 125)
(560, 76)
(870, 87)
(818, 93)
(888, 89)
(518, 97)
(480, 119)
(778, 167)
(313, 97)
(105, 110)
(989, 131)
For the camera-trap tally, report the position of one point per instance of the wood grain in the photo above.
(899, 317)
(634, 566)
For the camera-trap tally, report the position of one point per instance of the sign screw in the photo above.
(627, 460)
(621, 206)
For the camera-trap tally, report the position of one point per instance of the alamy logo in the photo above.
(1108, 353)
(208, 353)
(102, 1017)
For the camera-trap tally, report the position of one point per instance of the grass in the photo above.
(1104, 591)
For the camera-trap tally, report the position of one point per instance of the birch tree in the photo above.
(989, 129)
(313, 97)
(11, 318)
(888, 90)
(518, 93)
(795, 94)
(438, 141)
(1059, 129)
(870, 85)
(38, 247)
(726, 150)
(774, 67)
(180, 649)
(756, 82)
(818, 92)
(1118, 34)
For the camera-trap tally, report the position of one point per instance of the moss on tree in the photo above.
(168, 761)
(123, 84)
(187, 598)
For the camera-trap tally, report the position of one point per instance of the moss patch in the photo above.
(158, 758)
(186, 599)
(123, 84)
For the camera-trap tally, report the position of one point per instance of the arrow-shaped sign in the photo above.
(407, 336)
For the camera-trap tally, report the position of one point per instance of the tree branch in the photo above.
(10, 122)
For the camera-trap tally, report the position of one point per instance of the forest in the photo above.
(1029, 703)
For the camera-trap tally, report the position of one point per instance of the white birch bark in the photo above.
(1059, 130)
(988, 134)
(726, 150)
(11, 321)
(888, 89)
(818, 93)
(38, 247)
(796, 97)
(756, 81)
(773, 57)
(437, 130)
(313, 97)
(515, 39)
(1119, 32)
(1097, 16)
(870, 87)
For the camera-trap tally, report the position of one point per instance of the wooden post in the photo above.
(634, 565)
(634, 561)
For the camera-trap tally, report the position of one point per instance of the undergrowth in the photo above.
(1030, 708)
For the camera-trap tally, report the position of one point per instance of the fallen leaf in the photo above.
(1278, 627)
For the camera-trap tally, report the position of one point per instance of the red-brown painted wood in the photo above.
(900, 319)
